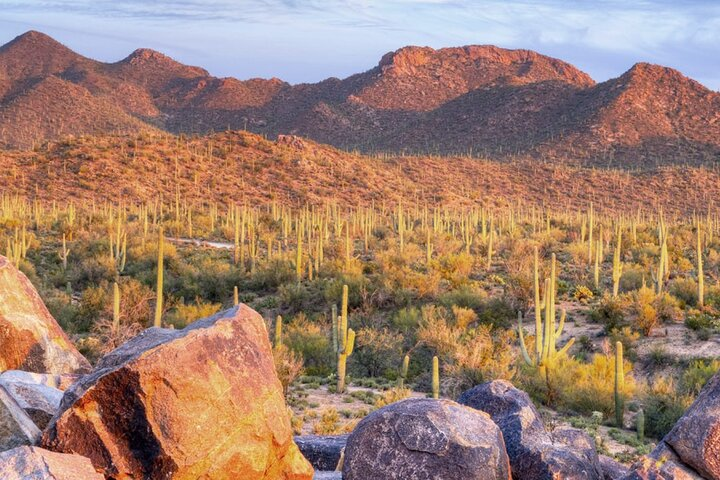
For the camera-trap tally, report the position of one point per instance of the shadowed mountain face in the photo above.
(482, 100)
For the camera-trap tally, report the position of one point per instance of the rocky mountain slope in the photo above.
(479, 100)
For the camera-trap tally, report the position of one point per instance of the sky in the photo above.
(310, 40)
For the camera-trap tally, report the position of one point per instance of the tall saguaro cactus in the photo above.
(435, 378)
(700, 274)
(619, 385)
(160, 267)
(617, 265)
(546, 335)
(346, 342)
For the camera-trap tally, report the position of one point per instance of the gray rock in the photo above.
(534, 453)
(328, 476)
(32, 463)
(612, 470)
(16, 427)
(322, 451)
(35, 393)
(661, 464)
(424, 439)
(695, 438)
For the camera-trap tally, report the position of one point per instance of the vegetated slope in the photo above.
(243, 167)
(482, 100)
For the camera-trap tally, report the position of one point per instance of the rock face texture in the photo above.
(30, 337)
(534, 452)
(32, 463)
(37, 394)
(611, 469)
(16, 427)
(202, 402)
(322, 451)
(423, 439)
(695, 438)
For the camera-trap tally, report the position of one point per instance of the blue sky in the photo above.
(309, 40)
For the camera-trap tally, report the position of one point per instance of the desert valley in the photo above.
(468, 262)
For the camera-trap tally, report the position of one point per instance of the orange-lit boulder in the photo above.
(202, 402)
(29, 463)
(30, 337)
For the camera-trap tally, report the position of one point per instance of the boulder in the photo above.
(328, 476)
(661, 464)
(35, 393)
(533, 451)
(612, 470)
(16, 427)
(695, 438)
(322, 451)
(201, 402)
(32, 463)
(423, 439)
(30, 337)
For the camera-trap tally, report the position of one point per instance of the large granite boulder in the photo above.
(424, 439)
(16, 427)
(322, 451)
(38, 394)
(695, 438)
(32, 463)
(30, 337)
(202, 402)
(533, 451)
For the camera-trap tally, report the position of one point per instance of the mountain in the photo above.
(481, 100)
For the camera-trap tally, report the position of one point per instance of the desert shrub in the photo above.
(610, 313)
(468, 357)
(697, 375)
(309, 340)
(582, 293)
(643, 307)
(183, 314)
(269, 276)
(668, 308)
(464, 317)
(295, 297)
(697, 320)
(466, 296)
(663, 406)
(288, 366)
(391, 396)
(590, 387)
(497, 311)
(684, 289)
(407, 319)
(631, 279)
(455, 268)
(628, 338)
(377, 352)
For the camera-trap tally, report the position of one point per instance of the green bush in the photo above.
(664, 406)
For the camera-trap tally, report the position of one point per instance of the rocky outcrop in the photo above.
(37, 394)
(202, 402)
(661, 464)
(426, 439)
(322, 451)
(612, 470)
(16, 427)
(695, 438)
(534, 452)
(30, 337)
(32, 463)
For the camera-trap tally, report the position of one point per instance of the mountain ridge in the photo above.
(476, 99)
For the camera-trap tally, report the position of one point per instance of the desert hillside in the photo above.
(474, 100)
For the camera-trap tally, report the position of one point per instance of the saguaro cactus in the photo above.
(278, 331)
(404, 371)
(160, 262)
(700, 274)
(619, 385)
(640, 425)
(346, 340)
(435, 378)
(617, 265)
(116, 308)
